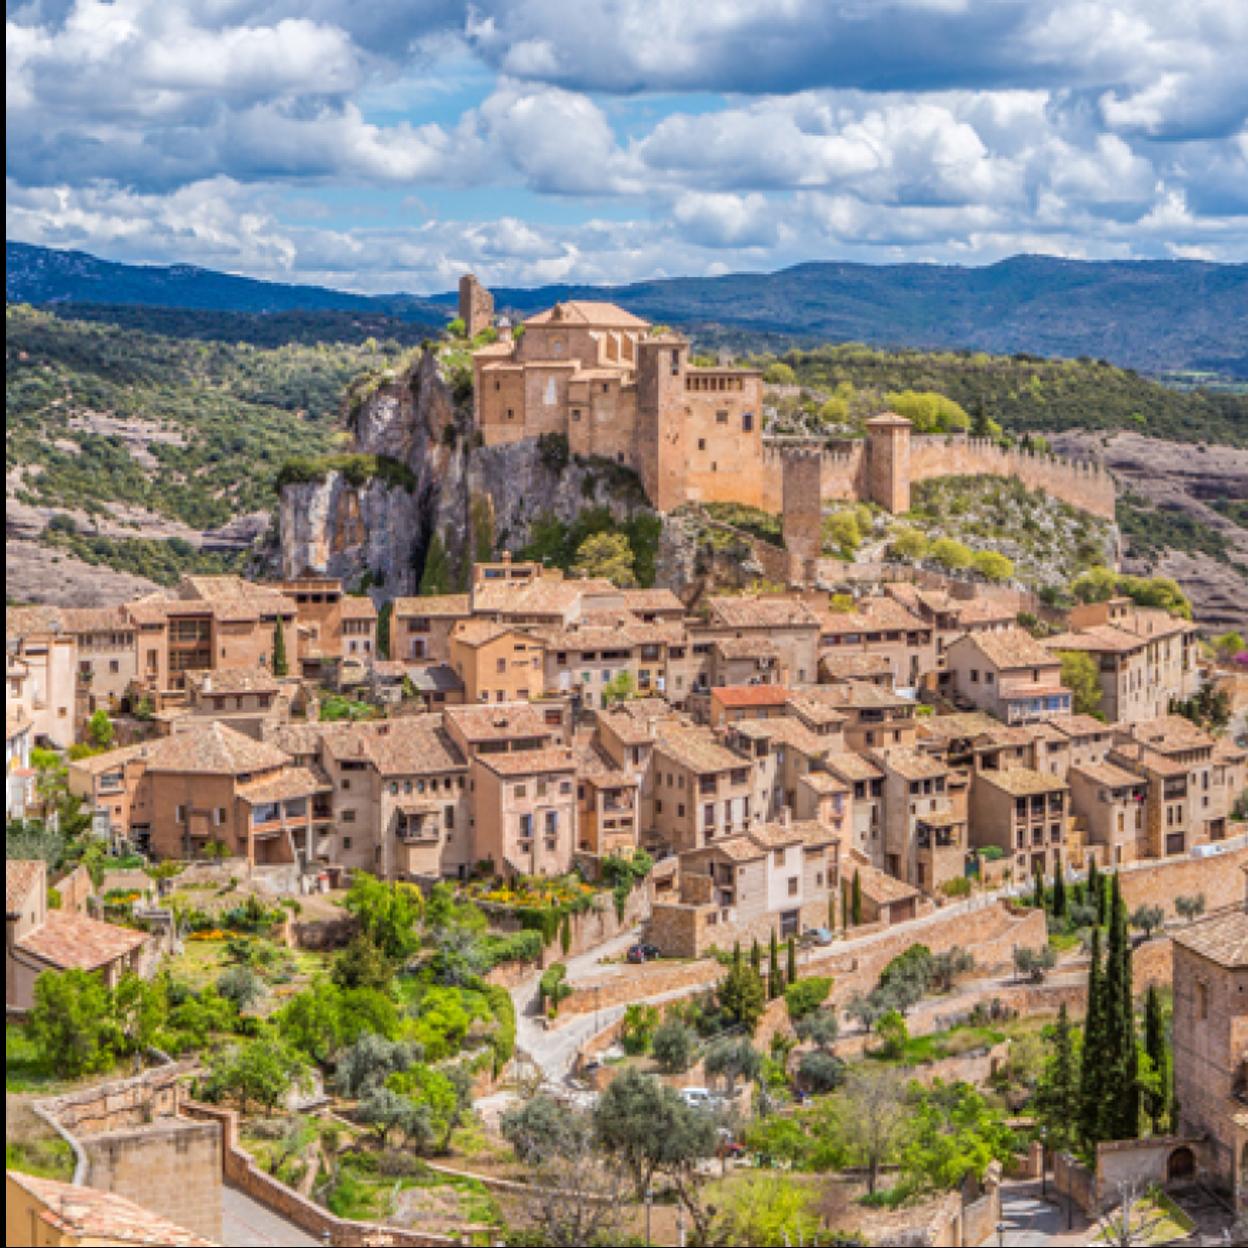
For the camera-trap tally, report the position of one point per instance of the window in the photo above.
(721, 418)
(179, 814)
(348, 816)
(218, 816)
(747, 422)
(793, 882)
(552, 822)
(346, 842)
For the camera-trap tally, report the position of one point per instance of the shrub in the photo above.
(820, 1072)
(672, 1046)
(806, 996)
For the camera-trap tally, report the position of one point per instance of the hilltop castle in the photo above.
(620, 388)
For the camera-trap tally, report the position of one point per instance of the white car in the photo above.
(699, 1098)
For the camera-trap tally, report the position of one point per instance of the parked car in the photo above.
(699, 1098)
(817, 936)
(643, 953)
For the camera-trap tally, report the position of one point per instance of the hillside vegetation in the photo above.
(191, 430)
(1022, 393)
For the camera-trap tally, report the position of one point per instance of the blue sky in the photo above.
(389, 145)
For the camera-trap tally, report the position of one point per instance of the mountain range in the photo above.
(1156, 316)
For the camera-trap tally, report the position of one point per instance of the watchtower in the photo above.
(476, 305)
(802, 512)
(888, 462)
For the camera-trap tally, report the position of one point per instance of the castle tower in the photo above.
(662, 410)
(476, 305)
(802, 518)
(888, 462)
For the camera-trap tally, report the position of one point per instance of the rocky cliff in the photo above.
(478, 500)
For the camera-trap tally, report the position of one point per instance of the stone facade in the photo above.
(476, 306)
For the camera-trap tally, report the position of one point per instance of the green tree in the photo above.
(541, 1128)
(950, 554)
(637, 1030)
(385, 618)
(1122, 1104)
(1095, 1054)
(993, 566)
(650, 1128)
(1157, 1049)
(1148, 919)
(928, 411)
(954, 1132)
(874, 1115)
(435, 576)
(1059, 894)
(731, 1059)
(280, 667)
(443, 1098)
(908, 543)
(767, 1209)
(673, 1046)
(1081, 676)
(855, 900)
(70, 1022)
(100, 730)
(741, 996)
(819, 1028)
(609, 556)
(261, 1070)
(791, 961)
(620, 688)
(779, 374)
(893, 1035)
(805, 996)
(842, 533)
(1057, 1096)
(387, 913)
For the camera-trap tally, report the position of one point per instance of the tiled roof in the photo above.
(797, 832)
(980, 610)
(89, 1215)
(543, 596)
(1171, 732)
(434, 678)
(432, 606)
(746, 647)
(1132, 753)
(1111, 776)
(739, 848)
(845, 664)
(291, 783)
(529, 762)
(80, 620)
(967, 724)
(593, 765)
(478, 632)
(633, 721)
(16, 721)
(791, 732)
(233, 598)
(68, 939)
(823, 782)
(1021, 781)
(501, 721)
(1096, 639)
(644, 600)
(872, 615)
(20, 876)
(909, 764)
(1222, 938)
(888, 420)
(358, 607)
(31, 621)
(587, 312)
(769, 612)
(696, 749)
(213, 749)
(850, 695)
(409, 745)
(1079, 726)
(850, 767)
(734, 696)
(880, 887)
(234, 680)
(1009, 647)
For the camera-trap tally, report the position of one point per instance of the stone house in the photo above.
(42, 673)
(1008, 674)
(1024, 813)
(1109, 805)
(497, 663)
(865, 784)
(787, 623)
(609, 803)
(777, 878)
(525, 810)
(883, 627)
(1210, 1037)
(37, 939)
(730, 703)
(420, 628)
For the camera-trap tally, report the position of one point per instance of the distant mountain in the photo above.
(40, 275)
(1152, 315)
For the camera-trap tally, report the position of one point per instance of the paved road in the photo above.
(1034, 1223)
(246, 1224)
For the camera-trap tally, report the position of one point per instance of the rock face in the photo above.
(1185, 479)
(471, 496)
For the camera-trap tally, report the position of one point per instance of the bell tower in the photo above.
(888, 462)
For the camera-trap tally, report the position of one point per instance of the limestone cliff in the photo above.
(478, 499)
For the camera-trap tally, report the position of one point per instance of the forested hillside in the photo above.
(1025, 394)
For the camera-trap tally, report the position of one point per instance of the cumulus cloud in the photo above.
(612, 139)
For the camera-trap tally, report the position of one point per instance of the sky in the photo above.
(387, 145)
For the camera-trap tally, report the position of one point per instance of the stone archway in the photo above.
(1181, 1165)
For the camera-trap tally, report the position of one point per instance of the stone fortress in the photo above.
(619, 388)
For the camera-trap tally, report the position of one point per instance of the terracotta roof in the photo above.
(20, 876)
(529, 762)
(89, 1215)
(479, 632)
(501, 721)
(1021, 781)
(652, 600)
(823, 782)
(1111, 776)
(1222, 938)
(80, 620)
(769, 612)
(1008, 648)
(1079, 725)
(1132, 753)
(599, 770)
(1096, 639)
(981, 610)
(851, 695)
(740, 848)
(909, 764)
(1171, 733)
(358, 607)
(543, 596)
(67, 939)
(634, 720)
(796, 832)
(232, 598)
(791, 732)
(872, 615)
(590, 312)
(433, 606)
(968, 724)
(234, 680)
(696, 749)
(434, 678)
(31, 621)
(291, 783)
(887, 420)
(746, 647)
(880, 887)
(17, 720)
(733, 696)
(213, 749)
(850, 767)
(409, 745)
(849, 663)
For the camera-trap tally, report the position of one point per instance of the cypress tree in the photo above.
(1059, 895)
(280, 667)
(792, 961)
(756, 957)
(773, 961)
(844, 905)
(385, 619)
(1037, 880)
(855, 901)
(1094, 889)
(736, 953)
(1159, 1055)
(1059, 1094)
(1091, 1069)
(1121, 1120)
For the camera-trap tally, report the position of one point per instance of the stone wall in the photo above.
(1159, 883)
(241, 1172)
(134, 1145)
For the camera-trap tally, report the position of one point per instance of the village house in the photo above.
(701, 790)
(788, 625)
(38, 939)
(525, 810)
(420, 628)
(732, 703)
(1210, 1045)
(106, 656)
(19, 776)
(777, 878)
(1008, 674)
(1145, 658)
(865, 784)
(1109, 804)
(42, 674)
(1023, 813)
(496, 663)
(608, 802)
(881, 626)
